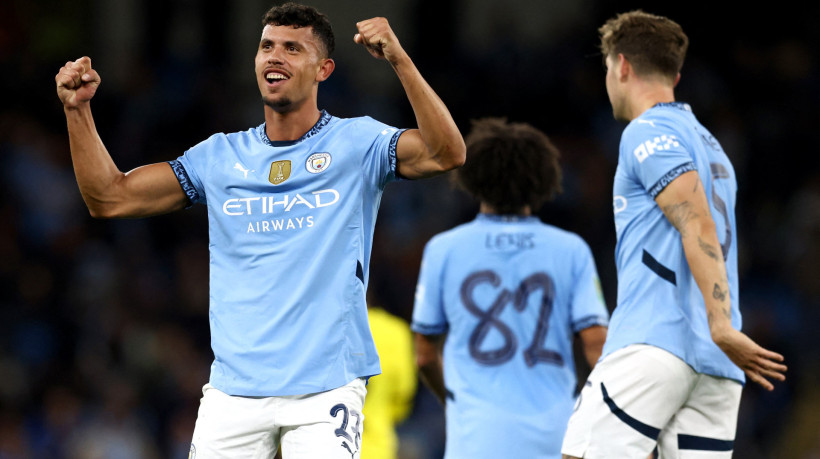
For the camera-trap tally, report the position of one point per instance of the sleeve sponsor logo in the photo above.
(649, 147)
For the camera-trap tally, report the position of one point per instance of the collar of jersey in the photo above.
(324, 118)
(679, 105)
(507, 218)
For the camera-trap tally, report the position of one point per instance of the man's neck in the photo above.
(488, 209)
(290, 125)
(647, 95)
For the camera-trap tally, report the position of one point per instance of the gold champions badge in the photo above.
(279, 171)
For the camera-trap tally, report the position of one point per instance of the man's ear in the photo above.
(623, 68)
(325, 70)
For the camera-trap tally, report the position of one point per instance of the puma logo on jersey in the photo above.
(244, 171)
(649, 147)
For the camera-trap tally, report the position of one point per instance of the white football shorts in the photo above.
(642, 396)
(321, 425)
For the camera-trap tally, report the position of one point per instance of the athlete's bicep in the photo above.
(414, 159)
(683, 202)
(149, 190)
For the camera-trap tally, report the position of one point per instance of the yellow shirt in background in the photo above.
(390, 394)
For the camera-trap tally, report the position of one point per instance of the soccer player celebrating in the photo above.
(291, 206)
(674, 360)
(502, 298)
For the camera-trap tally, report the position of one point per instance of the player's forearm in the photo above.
(429, 361)
(436, 125)
(432, 375)
(94, 168)
(705, 258)
(592, 340)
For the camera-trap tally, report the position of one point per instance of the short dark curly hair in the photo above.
(509, 166)
(296, 15)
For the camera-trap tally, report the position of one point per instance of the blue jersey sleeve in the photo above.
(380, 160)
(588, 308)
(429, 317)
(654, 153)
(189, 168)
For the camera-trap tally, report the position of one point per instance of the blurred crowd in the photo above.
(104, 341)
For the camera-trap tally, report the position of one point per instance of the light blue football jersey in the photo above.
(510, 293)
(659, 302)
(291, 228)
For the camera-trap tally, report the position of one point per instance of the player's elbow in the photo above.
(593, 339)
(700, 227)
(104, 210)
(103, 213)
(454, 155)
(424, 360)
(427, 353)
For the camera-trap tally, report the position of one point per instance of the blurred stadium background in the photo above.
(104, 341)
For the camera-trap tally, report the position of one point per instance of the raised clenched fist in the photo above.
(77, 82)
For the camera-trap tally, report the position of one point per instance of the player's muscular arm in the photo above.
(429, 361)
(436, 146)
(685, 205)
(592, 343)
(109, 193)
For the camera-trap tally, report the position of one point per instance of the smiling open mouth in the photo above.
(273, 77)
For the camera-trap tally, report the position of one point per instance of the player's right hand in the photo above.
(77, 82)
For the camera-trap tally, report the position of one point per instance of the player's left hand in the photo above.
(758, 363)
(379, 40)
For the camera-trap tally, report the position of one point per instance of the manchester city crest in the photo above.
(317, 162)
(279, 171)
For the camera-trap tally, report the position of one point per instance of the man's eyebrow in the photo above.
(268, 41)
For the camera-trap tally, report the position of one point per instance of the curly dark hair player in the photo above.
(501, 299)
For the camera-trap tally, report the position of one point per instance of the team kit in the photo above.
(501, 301)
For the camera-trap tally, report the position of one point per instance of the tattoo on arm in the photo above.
(719, 294)
(679, 214)
(726, 313)
(709, 250)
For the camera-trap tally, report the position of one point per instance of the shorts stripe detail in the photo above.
(659, 269)
(704, 443)
(644, 429)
